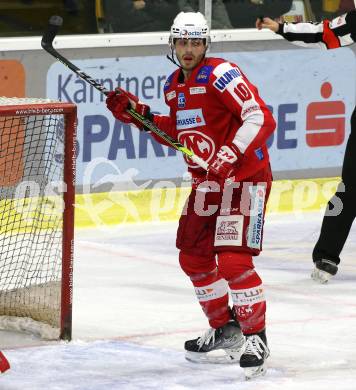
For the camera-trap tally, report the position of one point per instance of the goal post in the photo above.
(37, 195)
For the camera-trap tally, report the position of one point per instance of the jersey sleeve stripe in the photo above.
(246, 135)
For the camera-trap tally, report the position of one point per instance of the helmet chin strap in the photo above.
(171, 58)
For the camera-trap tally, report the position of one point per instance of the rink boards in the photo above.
(165, 204)
(158, 204)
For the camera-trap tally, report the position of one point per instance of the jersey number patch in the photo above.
(243, 92)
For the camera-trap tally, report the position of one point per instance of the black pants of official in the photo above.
(336, 228)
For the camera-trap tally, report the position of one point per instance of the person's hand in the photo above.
(139, 4)
(265, 22)
(119, 101)
(224, 164)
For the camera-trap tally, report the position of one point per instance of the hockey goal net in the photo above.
(37, 173)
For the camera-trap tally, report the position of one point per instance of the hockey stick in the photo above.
(47, 44)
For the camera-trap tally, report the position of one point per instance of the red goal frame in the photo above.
(69, 112)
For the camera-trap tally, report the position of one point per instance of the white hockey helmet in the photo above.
(190, 25)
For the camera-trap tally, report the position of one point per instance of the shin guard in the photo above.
(246, 290)
(210, 288)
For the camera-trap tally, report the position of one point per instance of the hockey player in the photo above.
(335, 229)
(217, 113)
(4, 364)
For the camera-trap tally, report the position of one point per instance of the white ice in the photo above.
(134, 308)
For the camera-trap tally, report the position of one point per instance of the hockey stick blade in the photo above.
(54, 23)
(47, 44)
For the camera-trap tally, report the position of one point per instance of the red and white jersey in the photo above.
(216, 106)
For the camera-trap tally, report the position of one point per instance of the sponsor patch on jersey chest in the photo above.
(181, 100)
(188, 119)
(171, 95)
(197, 90)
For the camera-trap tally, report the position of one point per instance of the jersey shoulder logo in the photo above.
(168, 82)
(203, 75)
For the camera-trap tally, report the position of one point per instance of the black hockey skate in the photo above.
(253, 359)
(324, 270)
(221, 345)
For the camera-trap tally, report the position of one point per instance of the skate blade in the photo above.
(229, 357)
(320, 276)
(255, 372)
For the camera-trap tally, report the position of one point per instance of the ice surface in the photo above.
(134, 308)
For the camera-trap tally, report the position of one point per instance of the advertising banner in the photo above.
(310, 92)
